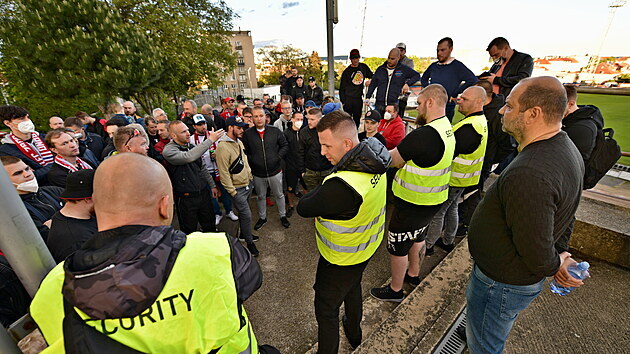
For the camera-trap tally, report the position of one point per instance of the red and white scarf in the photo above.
(63, 163)
(41, 154)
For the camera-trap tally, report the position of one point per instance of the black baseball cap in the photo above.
(235, 120)
(373, 115)
(310, 78)
(79, 185)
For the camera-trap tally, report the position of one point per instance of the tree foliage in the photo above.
(75, 50)
(277, 60)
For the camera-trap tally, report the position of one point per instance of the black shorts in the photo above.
(408, 225)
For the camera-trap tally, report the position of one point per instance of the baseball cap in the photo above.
(198, 119)
(79, 185)
(227, 99)
(299, 95)
(310, 104)
(235, 120)
(270, 101)
(354, 54)
(401, 45)
(310, 78)
(299, 77)
(331, 107)
(373, 115)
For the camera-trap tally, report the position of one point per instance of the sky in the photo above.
(536, 27)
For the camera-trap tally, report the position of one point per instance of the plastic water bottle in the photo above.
(578, 271)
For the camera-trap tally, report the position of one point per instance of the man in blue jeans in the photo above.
(517, 234)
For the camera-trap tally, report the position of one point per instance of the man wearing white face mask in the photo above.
(291, 173)
(392, 127)
(24, 142)
(510, 66)
(41, 202)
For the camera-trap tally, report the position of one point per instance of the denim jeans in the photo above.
(492, 308)
(447, 217)
(225, 199)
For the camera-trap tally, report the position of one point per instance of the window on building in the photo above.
(240, 61)
(242, 77)
(237, 43)
(240, 53)
(241, 69)
(233, 86)
(242, 86)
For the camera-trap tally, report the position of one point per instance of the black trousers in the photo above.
(195, 209)
(335, 285)
(354, 106)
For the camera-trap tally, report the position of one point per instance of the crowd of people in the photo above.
(82, 183)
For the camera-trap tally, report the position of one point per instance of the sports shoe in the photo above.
(444, 246)
(461, 331)
(289, 211)
(413, 281)
(429, 251)
(232, 216)
(217, 219)
(285, 222)
(462, 230)
(260, 224)
(387, 294)
(252, 249)
(254, 237)
(354, 343)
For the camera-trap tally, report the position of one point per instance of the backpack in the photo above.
(604, 156)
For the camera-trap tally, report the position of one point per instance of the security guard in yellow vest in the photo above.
(471, 138)
(141, 286)
(349, 212)
(420, 187)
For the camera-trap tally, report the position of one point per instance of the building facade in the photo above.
(243, 77)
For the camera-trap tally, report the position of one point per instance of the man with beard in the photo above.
(420, 187)
(75, 222)
(190, 109)
(449, 72)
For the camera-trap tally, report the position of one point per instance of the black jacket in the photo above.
(352, 80)
(370, 156)
(582, 126)
(188, 174)
(293, 140)
(390, 88)
(42, 205)
(298, 90)
(315, 94)
(500, 143)
(94, 142)
(310, 152)
(519, 67)
(265, 156)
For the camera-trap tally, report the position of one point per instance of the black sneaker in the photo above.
(254, 237)
(429, 251)
(285, 222)
(260, 224)
(387, 294)
(252, 249)
(289, 212)
(444, 246)
(462, 230)
(413, 281)
(354, 343)
(461, 331)
(299, 195)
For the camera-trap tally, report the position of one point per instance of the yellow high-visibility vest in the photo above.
(466, 168)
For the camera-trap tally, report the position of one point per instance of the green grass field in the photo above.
(614, 108)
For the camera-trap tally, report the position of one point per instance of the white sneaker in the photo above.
(217, 219)
(232, 216)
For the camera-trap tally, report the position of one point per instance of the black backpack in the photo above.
(604, 156)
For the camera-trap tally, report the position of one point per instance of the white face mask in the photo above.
(28, 186)
(298, 124)
(498, 61)
(26, 127)
(78, 135)
(387, 116)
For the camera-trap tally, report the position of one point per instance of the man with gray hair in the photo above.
(471, 138)
(420, 187)
(159, 114)
(517, 235)
(213, 119)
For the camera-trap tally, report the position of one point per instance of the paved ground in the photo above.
(282, 310)
(591, 319)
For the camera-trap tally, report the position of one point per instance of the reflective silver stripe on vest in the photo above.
(461, 161)
(248, 350)
(351, 230)
(465, 175)
(424, 172)
(350, 249)
(419, 189)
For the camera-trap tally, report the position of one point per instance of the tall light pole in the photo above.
(331, 18)
(614, 6)
(249, 79)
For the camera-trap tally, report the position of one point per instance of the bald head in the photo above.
(118, 204)
(393, 57)
(206, 109)
(471, 100)
(545, 92)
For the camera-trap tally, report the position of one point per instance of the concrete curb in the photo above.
(410, 323)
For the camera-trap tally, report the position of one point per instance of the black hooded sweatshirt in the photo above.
(582, 126)
(370, 156)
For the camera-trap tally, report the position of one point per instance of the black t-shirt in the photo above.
(68, 234)
(352, 80)
(318, 202)
(378, 136)
(467, 139)
(423, 146)
(523, 217)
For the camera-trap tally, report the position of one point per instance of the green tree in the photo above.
(421, 64)
(374, 62)
(74, 50)
(193, 36)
